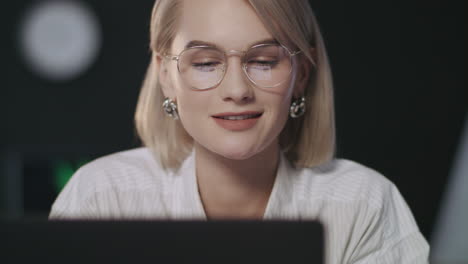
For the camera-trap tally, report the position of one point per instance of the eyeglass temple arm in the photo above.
(171, 57)
(295, 53)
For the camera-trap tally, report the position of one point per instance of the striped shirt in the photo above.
(366, 219)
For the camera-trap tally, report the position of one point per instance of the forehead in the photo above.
(230, 24)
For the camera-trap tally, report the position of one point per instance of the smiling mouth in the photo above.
(239, 121)
(238, 117)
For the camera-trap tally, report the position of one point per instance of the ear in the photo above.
(305, 68)
(163, 76)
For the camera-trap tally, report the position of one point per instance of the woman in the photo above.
(236, 115)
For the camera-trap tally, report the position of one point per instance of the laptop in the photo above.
(161, 242)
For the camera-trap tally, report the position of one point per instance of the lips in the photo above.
(237, 121)
(238, 116)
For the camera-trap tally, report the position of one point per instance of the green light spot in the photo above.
(63, 171)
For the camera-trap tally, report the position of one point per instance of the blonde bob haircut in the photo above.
(306, 141)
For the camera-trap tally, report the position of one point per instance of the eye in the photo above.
(206, 66)
(262, 64)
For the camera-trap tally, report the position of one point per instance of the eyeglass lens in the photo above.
(204, 67)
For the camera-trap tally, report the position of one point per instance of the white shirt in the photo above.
(365, 217)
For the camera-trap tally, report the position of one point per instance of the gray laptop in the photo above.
(161, 242)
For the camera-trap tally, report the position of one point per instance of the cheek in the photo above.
(280, 107)
(192, 105)
(187, 99)
(283, 99)
(280, 115)
(193, 111)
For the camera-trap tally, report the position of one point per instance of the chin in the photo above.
(236, 152)
(236, 156)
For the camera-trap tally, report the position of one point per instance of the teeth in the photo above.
(239, 117)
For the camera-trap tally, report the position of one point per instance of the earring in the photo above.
(170, 107)
(298, 107)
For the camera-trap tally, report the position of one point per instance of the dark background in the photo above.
(401, 99)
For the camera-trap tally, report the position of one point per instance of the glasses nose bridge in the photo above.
(237, 92)
(239, 53)
(236, 53)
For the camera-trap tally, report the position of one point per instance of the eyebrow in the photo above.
(195, 43)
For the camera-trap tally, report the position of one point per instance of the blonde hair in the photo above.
(306, 141)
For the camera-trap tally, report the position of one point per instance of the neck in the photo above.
(235, 188)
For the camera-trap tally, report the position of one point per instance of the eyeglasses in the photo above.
(204, 67)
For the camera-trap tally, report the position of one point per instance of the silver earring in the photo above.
(298, 107)
(170, 107)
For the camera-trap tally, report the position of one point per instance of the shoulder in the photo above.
(114, 180)
(365, 215)
(136, 157)
(125, 169)
(346, 181)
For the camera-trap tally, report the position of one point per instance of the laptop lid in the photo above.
(162, 242)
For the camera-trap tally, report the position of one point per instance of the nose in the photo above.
(235, 86)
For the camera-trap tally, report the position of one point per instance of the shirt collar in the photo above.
(186, 201)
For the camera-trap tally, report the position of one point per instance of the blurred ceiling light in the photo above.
(59, 40)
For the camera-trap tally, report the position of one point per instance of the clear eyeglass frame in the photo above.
(239, 53)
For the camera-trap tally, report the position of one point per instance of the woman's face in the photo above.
(230, 25)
